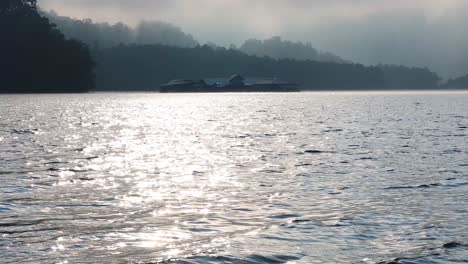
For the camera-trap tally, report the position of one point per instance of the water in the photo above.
(234, 178)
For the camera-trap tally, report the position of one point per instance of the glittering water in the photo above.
(234, 178)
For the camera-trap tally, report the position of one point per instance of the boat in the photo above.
(236, 83)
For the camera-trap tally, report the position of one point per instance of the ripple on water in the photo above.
(234, 178)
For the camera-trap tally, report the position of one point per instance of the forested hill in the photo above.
(457, 83)
(405, 78)
(136, 67)
(283, 49)
(105, 35)
(36, 57)
(142, 67)
(146, 67)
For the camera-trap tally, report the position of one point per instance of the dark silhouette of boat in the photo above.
(179, 86)
(235, 83)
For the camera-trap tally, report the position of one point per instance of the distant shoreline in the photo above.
(253, 92)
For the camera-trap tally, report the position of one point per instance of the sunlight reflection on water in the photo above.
(258, 178)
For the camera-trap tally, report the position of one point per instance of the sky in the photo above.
(421, 33)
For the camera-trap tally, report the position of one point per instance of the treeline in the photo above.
(135, 67)
(283, 49)
(105, 35)
(457, 83)
(129, 60)
(402, 77)
(36, 57)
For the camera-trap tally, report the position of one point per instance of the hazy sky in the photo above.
(431, 33)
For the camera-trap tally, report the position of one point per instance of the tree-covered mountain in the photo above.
(402, 77)
(283, 49)
(457, 83)
(36, 57)
(105, 35)
(145, 67)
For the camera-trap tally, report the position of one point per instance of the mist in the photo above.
(105, 35)
(427, 33)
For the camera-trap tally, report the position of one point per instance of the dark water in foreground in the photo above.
(234, 178)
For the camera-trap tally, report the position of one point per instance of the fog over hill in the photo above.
(277, 48)
(457, 83)
(423, 33)
(106, 35)
(270, 57)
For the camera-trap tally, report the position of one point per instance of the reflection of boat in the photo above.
(235, 83)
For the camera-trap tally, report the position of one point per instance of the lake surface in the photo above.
(234, 178)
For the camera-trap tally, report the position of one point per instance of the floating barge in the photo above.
(235, 83)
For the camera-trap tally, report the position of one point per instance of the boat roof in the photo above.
(179, 81)
(223, 81)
